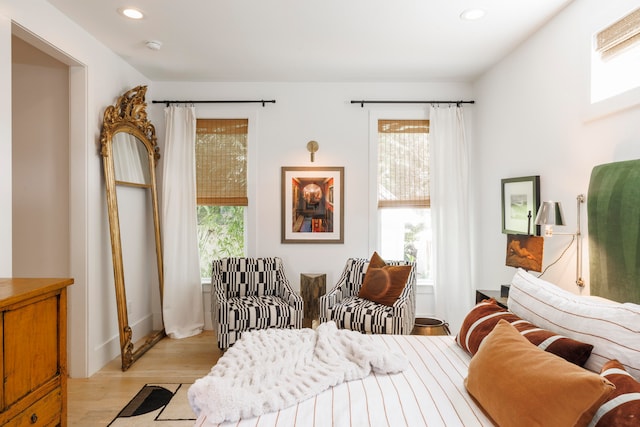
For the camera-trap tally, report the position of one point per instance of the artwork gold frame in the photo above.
(129, 153)
(312, 205)
(520, 203)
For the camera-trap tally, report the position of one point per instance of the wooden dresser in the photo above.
(33, 363)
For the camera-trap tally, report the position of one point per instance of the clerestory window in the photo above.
(615, 64)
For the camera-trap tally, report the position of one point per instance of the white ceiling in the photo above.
(312, 40)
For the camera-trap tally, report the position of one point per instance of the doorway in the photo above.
(49, 155)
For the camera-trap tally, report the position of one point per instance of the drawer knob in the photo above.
(34, 418)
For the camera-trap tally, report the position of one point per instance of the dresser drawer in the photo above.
(45, 412)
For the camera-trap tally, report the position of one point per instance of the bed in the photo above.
(583, 368)
(476, 378)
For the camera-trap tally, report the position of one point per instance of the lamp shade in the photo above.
(550, 213)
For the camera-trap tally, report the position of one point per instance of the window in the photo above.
(615, 65)
(403, 200)
(221, 183)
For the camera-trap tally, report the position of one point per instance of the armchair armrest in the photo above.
(286, 292)
(217, 288)
(405, 306)
(403, 302)
(218, 294)
(337, 293)
(343, 287)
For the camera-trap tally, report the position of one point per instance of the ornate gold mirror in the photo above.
(129, 153)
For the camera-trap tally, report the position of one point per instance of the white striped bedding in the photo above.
(430, 392)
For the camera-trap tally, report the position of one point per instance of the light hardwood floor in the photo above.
(95, 401)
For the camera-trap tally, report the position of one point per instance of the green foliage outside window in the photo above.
(220, 234)
(411, 237)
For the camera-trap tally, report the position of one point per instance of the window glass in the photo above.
(405, 233)
(403, 193)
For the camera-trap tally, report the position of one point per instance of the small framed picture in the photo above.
(312, 205)
(520, 203)
(525, 252)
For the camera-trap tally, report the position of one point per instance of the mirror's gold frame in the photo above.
(129, 115)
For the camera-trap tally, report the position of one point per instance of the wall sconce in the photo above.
(551, 214)
(312, 147)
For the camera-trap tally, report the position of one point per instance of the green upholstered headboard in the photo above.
(613, 207)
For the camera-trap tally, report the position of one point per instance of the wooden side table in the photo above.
(486, 294)
(312, 286)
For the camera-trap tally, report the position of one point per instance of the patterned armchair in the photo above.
(342, 304)
(251, 293)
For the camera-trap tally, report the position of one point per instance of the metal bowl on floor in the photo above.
(430, 326)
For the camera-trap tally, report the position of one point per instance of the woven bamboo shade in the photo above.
(619, 35)
(403, 163)
(221, 162)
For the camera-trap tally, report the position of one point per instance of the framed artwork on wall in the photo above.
(525, 252)
(312, 205)
(520, 203)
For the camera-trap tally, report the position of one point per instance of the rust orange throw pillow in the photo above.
(485, 315)
(622, 408)
(518, 384)
(376, 261)
(384, 283)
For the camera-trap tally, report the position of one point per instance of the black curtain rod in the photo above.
(261, 101)
(412, 102)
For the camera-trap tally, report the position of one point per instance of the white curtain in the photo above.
(182, 303)
(450, 214)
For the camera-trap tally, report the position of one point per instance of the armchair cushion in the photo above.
(359, 314)
(259, 312)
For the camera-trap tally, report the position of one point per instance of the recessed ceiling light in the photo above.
(472, 14)
(132, 13)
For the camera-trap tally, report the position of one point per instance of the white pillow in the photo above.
(612, 328)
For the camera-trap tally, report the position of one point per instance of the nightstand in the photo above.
(486, 294)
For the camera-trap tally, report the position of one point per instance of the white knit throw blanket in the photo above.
(272, 369)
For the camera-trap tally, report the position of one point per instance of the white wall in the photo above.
(40, 152)
(304, 112)
(534, 118)
(98, 77)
